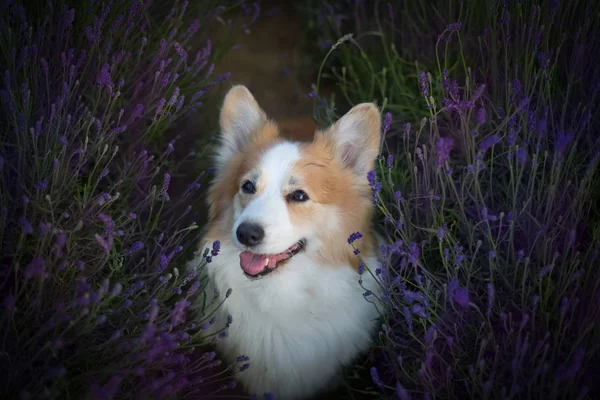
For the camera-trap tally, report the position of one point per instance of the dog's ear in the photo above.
(240, 118)
(356, 137)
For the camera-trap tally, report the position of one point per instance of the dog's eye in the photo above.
(298, 195)
(248, 187)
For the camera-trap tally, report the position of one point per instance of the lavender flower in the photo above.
(216, 247)
(481, 116)
(442, 148)
(461, 297)
(42, 185)
(354, 237)
(387, 122)
(406, 129)
(135, 247)
(25, 226)
(375, 377)
(375, 186)
(562, 141)
(424, 84)
(36, 269)
(488, 143)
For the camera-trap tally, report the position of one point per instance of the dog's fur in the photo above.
(307, 318)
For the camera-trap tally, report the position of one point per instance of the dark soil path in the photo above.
(270, 62)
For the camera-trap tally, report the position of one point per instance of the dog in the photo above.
(283, 211)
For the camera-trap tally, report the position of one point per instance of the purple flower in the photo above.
(571, 238)
(216, 247)
(94, 31)
(424, 84)
(544, 59)
(177, 315)
(166, 183)
(361, 268)
(398, 196)
(104, 80)
(442, 148)
(42, 185)
(118, 130)
(375, 186)
(354, 237)
(103, 198)
(461, 297)
(441, 232)
(387, 122)
(523, 103)
(104, 243)
(36, 269)
(541, 127)
(488, 143)
(375, 377)
(516, 86)
(414, 253)
(25, 226)
(193, 288)
(491, 296)
(137, 112)
(478, 93)
(544, 271)
(59, 244)
(135, 247)
(562, 141)
(450, 87)
(67, 17)
(222, 78)
(159, 108)
(401, 392)
(481, 116)
(104, 172)
(390, 161)
(455, 27)
(570, 372)
(44, 65)
(406, 128)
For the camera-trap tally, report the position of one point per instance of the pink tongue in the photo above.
(254, 264)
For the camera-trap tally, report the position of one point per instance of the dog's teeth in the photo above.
(267, 262)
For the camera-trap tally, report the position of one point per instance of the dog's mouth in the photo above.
(255, 265)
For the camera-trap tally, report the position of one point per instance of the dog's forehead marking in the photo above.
(277, 163)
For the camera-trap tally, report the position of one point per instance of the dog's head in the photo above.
(273, 198)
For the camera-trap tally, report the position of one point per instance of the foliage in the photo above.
(93, 236)
(486, 187)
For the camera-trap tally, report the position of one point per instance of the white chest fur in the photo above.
(298, 325)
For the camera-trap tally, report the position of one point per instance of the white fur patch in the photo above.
(298, 325)
(268, 208)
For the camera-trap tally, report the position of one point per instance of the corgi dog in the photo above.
(283, 211)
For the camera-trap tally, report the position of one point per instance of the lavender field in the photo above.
(486, 189)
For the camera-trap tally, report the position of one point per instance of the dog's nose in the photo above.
(250, 234)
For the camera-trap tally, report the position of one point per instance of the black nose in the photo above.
(250, 234)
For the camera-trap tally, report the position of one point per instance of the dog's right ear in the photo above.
(241, 116)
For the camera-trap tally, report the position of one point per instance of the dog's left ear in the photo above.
(240, 118)
(356, 137)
